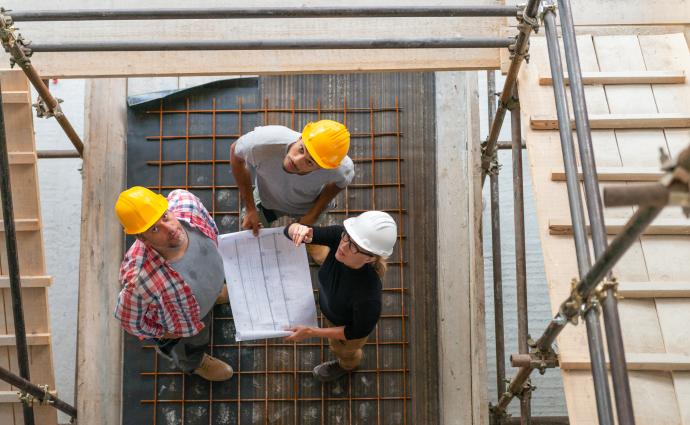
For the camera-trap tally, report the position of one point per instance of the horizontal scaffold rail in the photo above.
(262, 12)
(139, 46)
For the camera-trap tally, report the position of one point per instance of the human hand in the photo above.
(251, 221)
(300, 233)
(168, 335)
(299, 333)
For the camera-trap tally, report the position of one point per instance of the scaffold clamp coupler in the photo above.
(526, 22)
(572, 306)
(492, 168)
(545, 8)
(26, 398)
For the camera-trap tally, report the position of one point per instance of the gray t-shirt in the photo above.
(201, 268)
(264, 150)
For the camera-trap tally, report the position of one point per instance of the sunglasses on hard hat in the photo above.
(352, 246)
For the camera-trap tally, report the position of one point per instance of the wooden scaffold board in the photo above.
(27, 214)
(637, 114)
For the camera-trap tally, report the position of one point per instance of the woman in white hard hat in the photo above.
(349, 285)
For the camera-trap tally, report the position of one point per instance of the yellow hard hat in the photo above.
(327, 142)
(139, 208)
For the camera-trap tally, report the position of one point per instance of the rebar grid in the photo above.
(247, 398)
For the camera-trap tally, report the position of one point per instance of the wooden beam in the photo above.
(15, 97)
(251, 62)
(617, 174)
(31, 339)
(654, 289)
(23, 225)
(28, 281)
(618, 121)
(635, 361)
(639, 77)
(99, 346)
(22, 157)
(563, 226)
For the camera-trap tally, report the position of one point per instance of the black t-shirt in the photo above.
(348, 297)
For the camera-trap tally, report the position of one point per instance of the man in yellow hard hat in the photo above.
(296, 174)
(171, 277)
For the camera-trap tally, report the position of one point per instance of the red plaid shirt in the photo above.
(154, 297)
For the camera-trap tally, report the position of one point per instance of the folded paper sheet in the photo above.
(268, 282)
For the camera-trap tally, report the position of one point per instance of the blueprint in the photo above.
(268, 282)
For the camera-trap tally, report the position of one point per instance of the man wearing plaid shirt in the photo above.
(171, 277)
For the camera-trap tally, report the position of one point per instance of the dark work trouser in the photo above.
(187, 353)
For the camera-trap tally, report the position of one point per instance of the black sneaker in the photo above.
(329, 371)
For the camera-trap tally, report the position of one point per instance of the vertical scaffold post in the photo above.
(594, 337)
(612, 325)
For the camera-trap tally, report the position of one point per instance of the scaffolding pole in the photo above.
(13, 262)
(259, 12)
(612, 325)
(47, 105)
(291, 44)
(31, 392)
(572, 306)
(520, 260)
(496, 254)
(528, 23)
(591, 316)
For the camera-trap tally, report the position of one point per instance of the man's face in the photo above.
(166, 234)
(298, 161)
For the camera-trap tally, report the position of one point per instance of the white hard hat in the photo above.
(373, 231)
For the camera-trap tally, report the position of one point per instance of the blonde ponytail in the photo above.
(380, 266)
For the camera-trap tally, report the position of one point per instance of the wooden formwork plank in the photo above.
(622, 121)
(654, 289)
(563, 226)
(635, 361)
(618, 174)
(27, 214)
(31, 339)
(23, 225)
(638, 77)
(28, 281)
(661, 52)
(639, 148)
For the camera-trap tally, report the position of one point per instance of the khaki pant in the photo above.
(347, 351)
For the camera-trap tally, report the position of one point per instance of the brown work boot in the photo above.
(223, 297)
(212, 369)
(329, 371)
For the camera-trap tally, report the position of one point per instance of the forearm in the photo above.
(330, 191)
(242, 177)
(333, 333)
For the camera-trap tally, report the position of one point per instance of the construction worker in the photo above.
(171, 277)
(296, 174)
(349, 285)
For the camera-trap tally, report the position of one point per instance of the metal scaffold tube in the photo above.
(520, 259)
(571, 307)
(263, 12)
(34, 392)
(591, 316)
(47, 105)
(612, 325)
(291, 44)
(496, 254)
(13, 262)
(528, 23)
